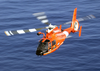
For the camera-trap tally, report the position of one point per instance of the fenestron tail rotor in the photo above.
(41, 16)
(10, 33)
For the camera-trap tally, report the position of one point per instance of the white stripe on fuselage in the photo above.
(66, 33)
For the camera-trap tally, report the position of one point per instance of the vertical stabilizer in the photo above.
(75, 23)
(74, 14)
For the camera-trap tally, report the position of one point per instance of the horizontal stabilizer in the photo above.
(80, 31)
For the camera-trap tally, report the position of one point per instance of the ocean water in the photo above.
(17, 53)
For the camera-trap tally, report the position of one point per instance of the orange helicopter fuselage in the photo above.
(58, 35)
(55, 36)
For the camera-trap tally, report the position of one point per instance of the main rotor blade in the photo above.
(86, 18)
(10, 33)
(67, 23)
(41, 16)
(81, 19)
(69, 37)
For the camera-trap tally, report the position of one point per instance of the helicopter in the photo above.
(55, 36)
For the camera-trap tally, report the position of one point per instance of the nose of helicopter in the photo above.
(39, 52)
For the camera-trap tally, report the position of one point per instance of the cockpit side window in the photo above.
(49, 45)
(53, 42)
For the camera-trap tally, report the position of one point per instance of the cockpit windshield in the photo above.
(43, 45)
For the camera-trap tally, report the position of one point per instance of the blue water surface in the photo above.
(17, 53)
